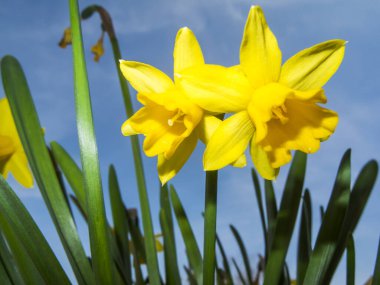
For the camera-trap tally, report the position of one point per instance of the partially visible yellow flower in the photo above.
(12, 156)
(66, 38)
(276, 109)
(171, 123)
(98, 48)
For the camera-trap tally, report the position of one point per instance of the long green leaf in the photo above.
(244, 254)
(170, 254)
(304, 238)
(361, 191)
(20, 229)
(71, 171)
(376, 271)
(137, 248)
(240, 274)
(9, 263)
(172, 274)
(271, 209)
(4, 277)
(258, 193)
(286, 219)
(226, 265)
(192, 249)
(350, 264)
(332, 223)
(120, 223)
(99, 238)
(30, 132)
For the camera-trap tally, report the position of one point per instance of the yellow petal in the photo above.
(7, 147)
(207, 126)
(260, 55)
(18, 166)
(240, 162)
(216, 88)
(311, 68)
(187, 51)
(262, 163)
(168, 168)
(228, 142)
(145, 78)
(7, 124)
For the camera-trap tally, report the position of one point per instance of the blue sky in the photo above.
(146, 31)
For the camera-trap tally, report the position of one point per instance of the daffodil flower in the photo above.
(171, 123)
(12, 156)
(275, 108)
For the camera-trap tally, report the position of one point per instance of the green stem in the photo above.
(150, 243)
(99, 240)
(210, 227)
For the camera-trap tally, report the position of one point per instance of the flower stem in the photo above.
(150, 243)
(210, 227)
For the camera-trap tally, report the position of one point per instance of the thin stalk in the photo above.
(210, 228)
(99, 240)
(150, 243)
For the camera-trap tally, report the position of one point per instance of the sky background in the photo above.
(30, 31)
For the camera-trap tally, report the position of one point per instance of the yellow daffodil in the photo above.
(275, 108)
(12, 155)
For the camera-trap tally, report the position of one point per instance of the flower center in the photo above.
(279, 113)
(7, 147)
(177, 118)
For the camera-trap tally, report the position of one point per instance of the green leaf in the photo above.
(240, 274)
(120, 224)
(99, 239)
(172, 274)
(321, 213)
(331, 226)
(360, 193)
(226, 265)
(190, 276)
(170, 254)
(71, 171)
(376, 272)
(350, 266)
(244, 254)
(10, 266)
(4, 277)
(192, 249)
(286, 219)
(20, 230)
(32, 138)
(271, 207)
(304, 239)
(137, 248)
(261, 209)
